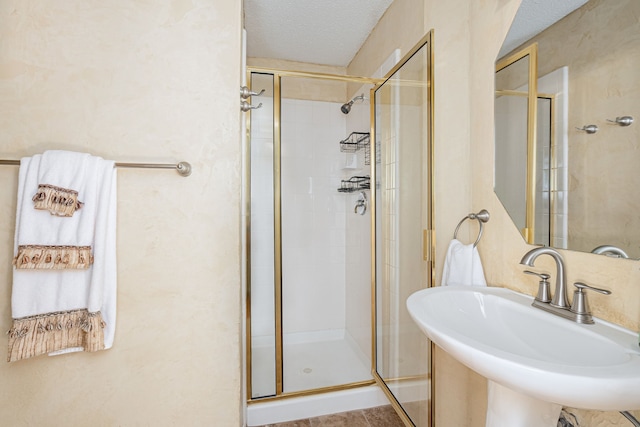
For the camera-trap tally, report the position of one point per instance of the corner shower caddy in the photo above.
(355, 142)
(353, 184)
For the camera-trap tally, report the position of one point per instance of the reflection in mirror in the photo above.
(587, 185)
(515, 113)
(544, 201)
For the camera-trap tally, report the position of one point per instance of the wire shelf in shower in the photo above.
(357, 141)
(354, 142)
(355, 183)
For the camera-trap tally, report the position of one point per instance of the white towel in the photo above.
(61, 176)
(462, 266)
(69, 306)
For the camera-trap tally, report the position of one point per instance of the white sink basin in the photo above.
(497, 333)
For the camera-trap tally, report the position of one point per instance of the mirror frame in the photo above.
(531, 52)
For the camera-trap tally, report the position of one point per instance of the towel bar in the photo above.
(183, 168)
(482, 217)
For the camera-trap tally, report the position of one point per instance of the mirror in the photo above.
(584, 186)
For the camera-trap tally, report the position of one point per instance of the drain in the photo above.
(307, 370)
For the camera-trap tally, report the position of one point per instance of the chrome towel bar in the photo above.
(183, 168)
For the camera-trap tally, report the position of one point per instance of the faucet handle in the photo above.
(544, 293)
(543, 276)
(583, 286)
(580, 305)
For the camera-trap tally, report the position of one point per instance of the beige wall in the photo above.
(467, 37)
(148, 82)
(302, 88)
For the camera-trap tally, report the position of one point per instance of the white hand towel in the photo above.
(61, 177)
(56, 309)
(462, 266)
(64, 168)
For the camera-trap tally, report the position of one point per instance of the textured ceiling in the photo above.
(328, 32)
(533, 17)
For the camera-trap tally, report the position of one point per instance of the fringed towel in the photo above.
(67, 170)
(64, 280)
(462, 266)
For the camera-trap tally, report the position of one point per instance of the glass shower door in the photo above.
(403, 229)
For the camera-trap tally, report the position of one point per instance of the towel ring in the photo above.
(482, 217)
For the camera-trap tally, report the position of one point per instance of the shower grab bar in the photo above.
(183, 168)
(482, 217)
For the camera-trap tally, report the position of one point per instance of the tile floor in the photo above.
(382, 416)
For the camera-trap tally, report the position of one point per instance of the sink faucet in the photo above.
(560, 299)
(578, 311)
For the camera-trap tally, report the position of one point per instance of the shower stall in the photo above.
(310, 238)
(338, 234)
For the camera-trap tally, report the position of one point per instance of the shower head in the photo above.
(347, 107)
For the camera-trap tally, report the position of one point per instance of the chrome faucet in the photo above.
(578, 311)
(560, 299)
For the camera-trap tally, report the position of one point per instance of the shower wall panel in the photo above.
(262, 220)
(313, 216)
(358, 239)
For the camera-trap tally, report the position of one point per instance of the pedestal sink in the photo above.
(535, 362)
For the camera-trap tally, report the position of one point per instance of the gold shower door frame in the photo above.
(277, 151)
(419, 231)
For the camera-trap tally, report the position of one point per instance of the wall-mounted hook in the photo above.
(245, 106)
(622, 121)
(589, 128)
(245, 92)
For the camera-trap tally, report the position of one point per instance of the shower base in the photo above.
(311, 361)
